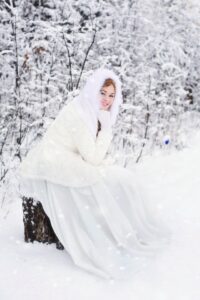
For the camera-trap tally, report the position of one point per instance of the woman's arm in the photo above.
(92, 151)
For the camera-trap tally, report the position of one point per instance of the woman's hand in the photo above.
(104, 119)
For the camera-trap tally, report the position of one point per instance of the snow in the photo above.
(39, 271)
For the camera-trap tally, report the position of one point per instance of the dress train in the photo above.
(106, 227)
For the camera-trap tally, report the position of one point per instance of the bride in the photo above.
(94, 205)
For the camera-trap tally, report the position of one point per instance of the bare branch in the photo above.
(70, 64)
(86, 55)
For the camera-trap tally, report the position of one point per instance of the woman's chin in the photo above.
(106, 107)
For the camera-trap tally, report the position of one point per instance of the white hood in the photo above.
(88, 102)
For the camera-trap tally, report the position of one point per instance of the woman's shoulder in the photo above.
(67, 108)
(65, 119)
(73, 114)
(66, 114)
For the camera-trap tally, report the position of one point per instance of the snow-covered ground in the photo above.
(38, 271)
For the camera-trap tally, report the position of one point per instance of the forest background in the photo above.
(48, 48)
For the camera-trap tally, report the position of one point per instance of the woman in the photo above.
(94, 205)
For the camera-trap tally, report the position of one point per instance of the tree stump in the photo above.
(37, 226)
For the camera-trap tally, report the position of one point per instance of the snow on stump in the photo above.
(37, 225)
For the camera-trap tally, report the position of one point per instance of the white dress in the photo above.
(106, 227)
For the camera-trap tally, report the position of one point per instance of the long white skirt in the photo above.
(106, 228)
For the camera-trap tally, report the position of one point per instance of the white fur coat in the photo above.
(67, 153)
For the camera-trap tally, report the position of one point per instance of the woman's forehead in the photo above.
(109, 88)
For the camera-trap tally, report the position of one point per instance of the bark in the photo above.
(37, 225)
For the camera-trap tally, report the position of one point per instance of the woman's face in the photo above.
(107, 95)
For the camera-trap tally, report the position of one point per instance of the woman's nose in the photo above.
(105, 99)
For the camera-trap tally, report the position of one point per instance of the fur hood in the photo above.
(88, 102)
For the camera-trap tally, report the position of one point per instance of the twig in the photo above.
(83, 65)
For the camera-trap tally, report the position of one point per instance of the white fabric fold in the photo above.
(105, 228)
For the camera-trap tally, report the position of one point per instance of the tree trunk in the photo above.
(37, 226)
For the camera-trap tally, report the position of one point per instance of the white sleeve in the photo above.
(92, 151)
